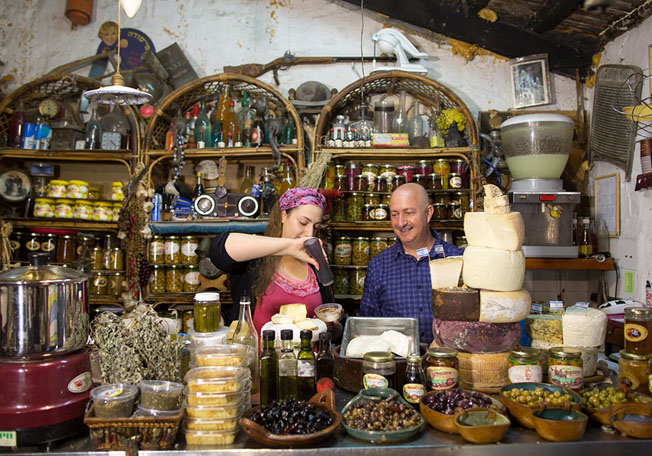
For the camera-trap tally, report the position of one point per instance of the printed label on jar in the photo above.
(343, 250)
(156, 249)
(455, 182)
(33, 245)
(14, 244)
(47, 246)
(412, 392)
(457, 213)
(188, 249)
(191, 278)
(361, 282)
(43, 211)
(305, 368)
(635, 333)
(374, 381)
(379, 214)
(82, 212)
(100, 282)
(525, 373)
(171, 248)
(566, 376)
(441, 378)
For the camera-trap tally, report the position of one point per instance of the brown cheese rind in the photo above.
(458, 304)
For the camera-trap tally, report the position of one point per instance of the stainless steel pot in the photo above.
(43, 310)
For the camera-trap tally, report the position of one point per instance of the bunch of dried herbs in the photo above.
(135, 351)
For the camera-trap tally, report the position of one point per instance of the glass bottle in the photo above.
(325, 358)
(216, 127)
(257, 132)
(306, 367)
(202, 123)
(169, 138)
(232, 125)
(93, 131)
(287, 368)
(399, 122)
(247, 181)
(245, 334)
(247, 123)
(199, 188)
(575, 229)
(594, 236)
(418, 128)
(603, 236)
(16, 125)
(222, 107)
(116, 121)
(201, 139)
(414, 381)
(585, 249)
(238, 139)
(268, 365)
(288, 180)
(189, 143)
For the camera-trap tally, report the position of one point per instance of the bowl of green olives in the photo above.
(522, 399)
(601, 402)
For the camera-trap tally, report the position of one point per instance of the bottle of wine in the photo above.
(268, 365)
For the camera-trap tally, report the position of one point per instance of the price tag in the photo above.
(439, 249)
(422, 253)
(584, 305)
(537, 308)
(8, 438)
(556, 305)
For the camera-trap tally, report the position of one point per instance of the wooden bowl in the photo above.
(522, 413)
(633, 420)
(559, 425)
(446, 423)
(324, 400)
(481, 425)
(602, 415)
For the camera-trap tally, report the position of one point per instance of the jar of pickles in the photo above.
(371, 170)
(372, 198)
(340, 183)
(174, 278)
(156, 252)
(191, 278)
(172, 250)
(189, 246)
(98, 284)
(387, 170)
(157, 279)
(525, 366)
(340, 280)
(390, 185)
(356, 280)
(114, 259)
(634, 371)
(439, 211)
(342, 255)
(638, 329)
(424, 167)
(360, 251)
(338, 213)
(114, 286)
(381, 213)
(441, 368)
(329, 177)
(354, 203)
(377, 245)
(372, 182)
(442, 166)
(565, 367)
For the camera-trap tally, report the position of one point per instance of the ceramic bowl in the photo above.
(481, 425)
(602, 415)
(446, 423)
(559, 425)
(522, 413)
(633, 420)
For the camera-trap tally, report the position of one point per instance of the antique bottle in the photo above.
(585, 248)
(16, 125)
(306, 367)
(288, 180)
(247, 181)
(268, 365)
(287, 368)
(199, 188)
(288, 131)
(325, 359)
(93, 131)
(399, 122)
(232, 125)
(202, 127)
(414, 381)
(257, 132)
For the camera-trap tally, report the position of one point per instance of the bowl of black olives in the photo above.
(293, 423)
(438, 407)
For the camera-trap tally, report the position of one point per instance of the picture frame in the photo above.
(606, 202)
(530, 81)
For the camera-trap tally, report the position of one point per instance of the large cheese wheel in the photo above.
(469, 304)
(504, 306)
(475, 336)
(498, 231)
(584, 327)
(459, 304)
(493, 269)
(544, 328)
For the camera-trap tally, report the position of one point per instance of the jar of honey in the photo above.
(638, 326)
(440, 366)
(565, 367)
(634, 371)
(378, 370)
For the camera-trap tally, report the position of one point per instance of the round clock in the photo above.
(51, 108)
(15, 186)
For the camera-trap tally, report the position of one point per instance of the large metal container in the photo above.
(43, 310)
(375, 326)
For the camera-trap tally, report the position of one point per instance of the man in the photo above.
(398, 279)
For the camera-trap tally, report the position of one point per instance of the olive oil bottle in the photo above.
(306, 367)
(287, 368)
(268, 365)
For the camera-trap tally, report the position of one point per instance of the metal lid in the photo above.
(190, 237)
(442, 352)
(362, 238)
(171, 238)
(638, 312)
(414, 358)
(40, 273)
(566, 352)
(536, 118)
(378, 357)
(525, 352)
(635, 356)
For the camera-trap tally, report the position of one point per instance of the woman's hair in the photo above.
(267, 265)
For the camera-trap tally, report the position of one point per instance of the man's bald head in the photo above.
(412, 192)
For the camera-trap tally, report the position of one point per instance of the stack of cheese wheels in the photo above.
(482, 320)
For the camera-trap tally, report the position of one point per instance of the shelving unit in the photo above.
(63, 224)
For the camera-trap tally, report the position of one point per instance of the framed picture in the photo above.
(606, 202)
(530, 81)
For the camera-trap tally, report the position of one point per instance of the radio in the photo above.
(224, 204)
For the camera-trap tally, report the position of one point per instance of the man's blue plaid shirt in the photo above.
(398, 285)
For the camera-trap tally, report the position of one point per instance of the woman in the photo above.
(275, 269)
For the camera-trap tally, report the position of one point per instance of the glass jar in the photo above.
(156, 251)
(464, 200)
(83, 210)
(383, 116)
(84, 243)
(338, 213)
(387, 170)
(460, 241)
(372, 183)
(399, 180)
(441, 198)
(63, 209)
(93, 192)
(57, 188)
(114, 259)
(172, 250)
(565, 367)
(385, 200)
(329, 177)
(391, 242)
(191, 278)
(360, 251)
(66, 249)
(381, 213)
(525, 366)
(189, 246)
(49, 245)
(340, 281)
(377, 245)
(352, 169)
(441, 368)
(638, 326)
(372, 198)
(366, 212)
(114, 286)
(454, 211)
(157, 279)
(354, 203)
(117, 194)
(419, 179)
(174, 278)
(378, 370)
(44, 207)
(381, 184)
(361, 183)
(459, 166)
(99, 283)
(356, 280)
(77, 189)
(18, 242)
(442, 166)
(33, 243)
(340, 169)
(439, 211)
(454, 181)
(117, 207)
(434, 182)
(371, 171)
(390, 185)
(340, 183)
(102, 212)
(96, 255)
(634, 371)
(342, 252)
(424, 167)
(407, 171)
(206, 312)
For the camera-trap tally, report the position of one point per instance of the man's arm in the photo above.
(370, 304)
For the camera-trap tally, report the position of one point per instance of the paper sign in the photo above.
(422, 253)
(7, 438)
(629, 282)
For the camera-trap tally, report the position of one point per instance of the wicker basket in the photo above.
(148, 432)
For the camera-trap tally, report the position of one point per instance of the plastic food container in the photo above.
(219, 412)
(144, 411)
(208, 339)
(210, 438)
(223, 355)
(77, 189)
(160, 394)
(192, 424)
(63, 209)
(217, 380)
(44, 207)
(115, 400)
(216, 399)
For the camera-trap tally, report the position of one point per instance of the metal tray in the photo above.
(375, 326)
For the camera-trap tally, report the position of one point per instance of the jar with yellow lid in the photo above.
(44, 207)
(102, 211)
(157, 279)
(191, 278)
(77, 189)
(634, 371)
(565, 367)
(93, 192)
(114, 259)
(378, 370)
(63, 209)
(172, 250)
(117, 207)
(441, 368)
(189, 246)
(57, 188)
(525, 366)
(114, 286)
(83, 210)
(117, 194)
(174, 278)
(157, 250)
(638, 330)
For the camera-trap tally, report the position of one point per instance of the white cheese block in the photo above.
(494, 200)
(279, 319)
(399, 343)
(308, 324)
(298, 312)
(445, 272)
(493, 269)
(584, 327)
(501, 231)
(360, 345)
(504, 306)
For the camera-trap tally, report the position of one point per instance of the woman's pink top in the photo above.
(286, 290)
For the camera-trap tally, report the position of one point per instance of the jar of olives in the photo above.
(440, 366)
(340, 183)
(354, 203)
(188, 246)
(439, 211)
(342, 253)
(634, 371)
(372, 198)
(157, 279)
(172, 250)
(340, 280)
(174, 278)
(381, 213)
(356, 280)
(361, 183)
(338, 209)
(360, 251)
(565, 367)
(157, 250)
(377, 245)
(638, 330)
(525, 366)
(378, 370)
(191, 278)
(98, 284)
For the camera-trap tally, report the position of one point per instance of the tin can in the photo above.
(42, 137)
(157, 200)
(28, 140)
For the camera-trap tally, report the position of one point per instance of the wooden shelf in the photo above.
(394, 153)
(211, 226)
(62, 224)
(183, 298)
(98, 300)
(263, 151)
(570, 264)
(69, 155)
(387, 226)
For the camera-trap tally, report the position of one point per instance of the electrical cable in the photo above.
(500, 180)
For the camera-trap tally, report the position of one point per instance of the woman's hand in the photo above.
(297, 250)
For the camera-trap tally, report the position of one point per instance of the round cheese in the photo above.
(544, 328)
(504, 306)
(584, 327)
(476, 337)
(498, 231)
(493, 269)
(469, 304)
(456, 303)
